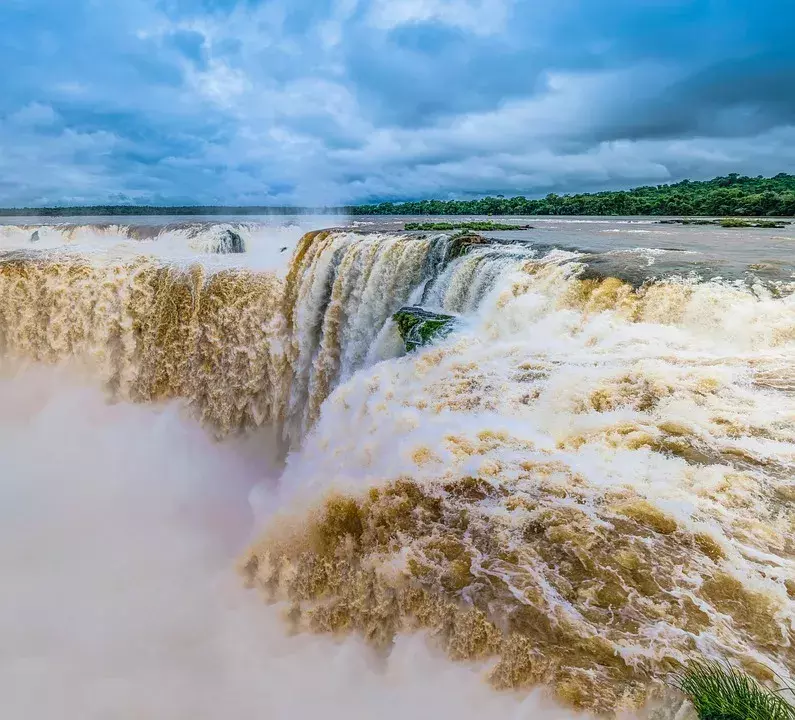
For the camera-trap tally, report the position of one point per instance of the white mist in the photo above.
(119, 530)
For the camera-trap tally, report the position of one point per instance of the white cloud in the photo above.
(73, 88)
(482, 17)
(65, 166)
(220, 83)
(34, 115)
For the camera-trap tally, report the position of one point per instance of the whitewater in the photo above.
(228, 490)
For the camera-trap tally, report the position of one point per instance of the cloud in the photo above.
(220, 83)
(34, 115)
(328, 101)
(484, 17)
(59, 165)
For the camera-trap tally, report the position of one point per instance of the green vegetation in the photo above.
(482, 226)
(419, 327)
(720, 692)
(687, 221)
(770, 224)
(730, 222)
(730, 195)
(740, 223)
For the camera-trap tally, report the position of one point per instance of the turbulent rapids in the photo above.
(584, 484)
(221, 239)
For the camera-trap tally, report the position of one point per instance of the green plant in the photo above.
(771, 224)
(482, 226)
(734, 223)
(721, 692)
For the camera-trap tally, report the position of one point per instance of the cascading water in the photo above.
(219, 238)
(585, 484)
(153, 332)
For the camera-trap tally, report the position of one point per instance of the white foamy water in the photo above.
(586, 483)
(266, 243)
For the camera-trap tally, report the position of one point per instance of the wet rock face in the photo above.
(419, 327)
(34, 238)
(462, 243)
(231, 243)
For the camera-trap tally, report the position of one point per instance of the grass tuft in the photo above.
(721, 692)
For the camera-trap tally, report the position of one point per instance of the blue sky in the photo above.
(337, 101)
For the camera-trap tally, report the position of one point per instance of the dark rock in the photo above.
(231, 242)
(419, 327)
(460, 245)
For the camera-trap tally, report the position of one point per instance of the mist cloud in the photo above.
(120, 527)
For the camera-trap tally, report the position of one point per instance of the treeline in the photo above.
(731, 195)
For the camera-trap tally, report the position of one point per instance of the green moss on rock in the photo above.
(728, 222)
(419, 327)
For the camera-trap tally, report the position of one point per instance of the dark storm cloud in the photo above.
(732, 98)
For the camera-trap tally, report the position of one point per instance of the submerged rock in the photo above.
(34, 238)
(419, 327)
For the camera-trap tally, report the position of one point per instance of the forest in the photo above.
(731, 195)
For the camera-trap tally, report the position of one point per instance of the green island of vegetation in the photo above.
(731, 195)
(729, 222)
(482, 226)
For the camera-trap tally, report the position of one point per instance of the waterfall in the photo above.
(585, 483)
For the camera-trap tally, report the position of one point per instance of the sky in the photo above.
(314, 102)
